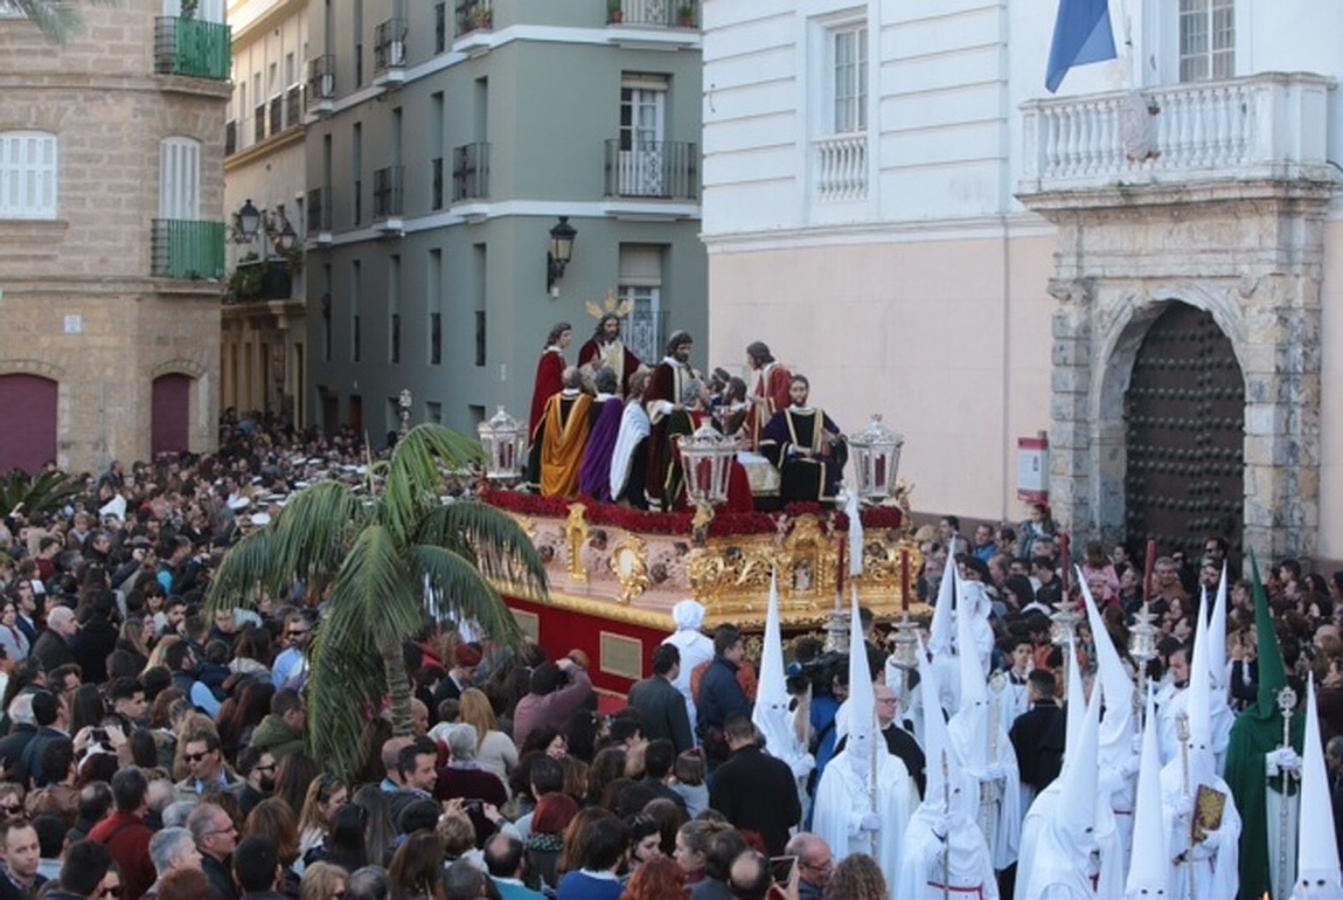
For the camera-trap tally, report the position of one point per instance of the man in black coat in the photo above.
(54, 645)
(661, 707)
(720, 694)
(755, 791)
(1037, 735)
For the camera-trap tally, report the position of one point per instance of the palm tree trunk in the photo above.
(398, 689)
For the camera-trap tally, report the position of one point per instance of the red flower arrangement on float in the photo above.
(724, 524)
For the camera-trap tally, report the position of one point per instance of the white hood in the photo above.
(1317, 871)
(1149, 866)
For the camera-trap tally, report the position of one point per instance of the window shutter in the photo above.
(28, 175)
(179, 178)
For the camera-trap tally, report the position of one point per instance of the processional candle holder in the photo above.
(1063, 623)
(1142, 637)
(876, 460)
(706, 461)
(505, 444)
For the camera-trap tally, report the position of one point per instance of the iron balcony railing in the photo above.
(473, 15)
(389, 45)
(661, 13)
(293, 106)
(230, 138)
(663, 169)
(259, 123)
(321, 78)
(182, 248)
(192, 47)
(264, 281)
(319, 210)
(471, 172)
(387, 193)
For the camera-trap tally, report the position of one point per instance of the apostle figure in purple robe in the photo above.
(594, 478)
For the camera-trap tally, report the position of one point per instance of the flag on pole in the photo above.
(1082, 35)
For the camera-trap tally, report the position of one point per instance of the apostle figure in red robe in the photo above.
(662, 397)
(806, 447)
(549, 370)
(605, 348)
(769, 389)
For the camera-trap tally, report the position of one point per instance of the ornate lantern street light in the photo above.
(706, 460)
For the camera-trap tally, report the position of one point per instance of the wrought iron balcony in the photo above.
(659, 13)
(192, 47)
(388, 195)
(255, 281)
(181, 248)
(389, 47)
(1268, 126)
(319, 211)
(666, 170)
(321, 85)
(470, 172)
(474, 15)
(230, 138)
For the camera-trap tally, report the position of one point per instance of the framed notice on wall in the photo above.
(1033, 469)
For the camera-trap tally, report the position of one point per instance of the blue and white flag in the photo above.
(1082, 35)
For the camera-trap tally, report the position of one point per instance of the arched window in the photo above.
(179, 178)
(28, 175)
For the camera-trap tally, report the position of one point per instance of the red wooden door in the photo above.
(28, 414)
(171, 414)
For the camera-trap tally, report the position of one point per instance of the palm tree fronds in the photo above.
(374, 593)
(38, 495)
(247, 564)
(346, 686)
(58, 19)
(312, 532)
(461, 592)
(492, 540)
(415, 478)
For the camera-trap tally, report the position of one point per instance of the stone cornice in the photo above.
(206, 88)
(1143, 199)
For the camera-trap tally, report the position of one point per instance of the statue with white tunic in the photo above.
(945, 854)
(978, 739)
(866, 795)
(1317, 871)
(771, 714)
(1203, 845)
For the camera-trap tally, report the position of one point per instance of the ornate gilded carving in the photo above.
(629, 563)
(576, 537)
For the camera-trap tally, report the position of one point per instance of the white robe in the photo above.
(696, 647)
(634, 427)
(925, 867)
(1216, 861)
(843, 800)
(1005, 840)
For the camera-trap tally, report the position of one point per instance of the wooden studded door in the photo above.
(170, 414)
(28, 413)
(1185, 416)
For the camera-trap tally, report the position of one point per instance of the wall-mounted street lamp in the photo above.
(249, 221)
(560, 253)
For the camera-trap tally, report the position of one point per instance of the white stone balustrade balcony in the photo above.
(1270, 126)
(841, 167)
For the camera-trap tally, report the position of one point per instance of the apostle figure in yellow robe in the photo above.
(556, 456)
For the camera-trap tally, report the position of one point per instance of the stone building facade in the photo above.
(263, 356)
(111, 239)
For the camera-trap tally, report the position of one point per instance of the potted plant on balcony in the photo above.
(614, 13)
(189, 8)
(482, 16)
(685, 15)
